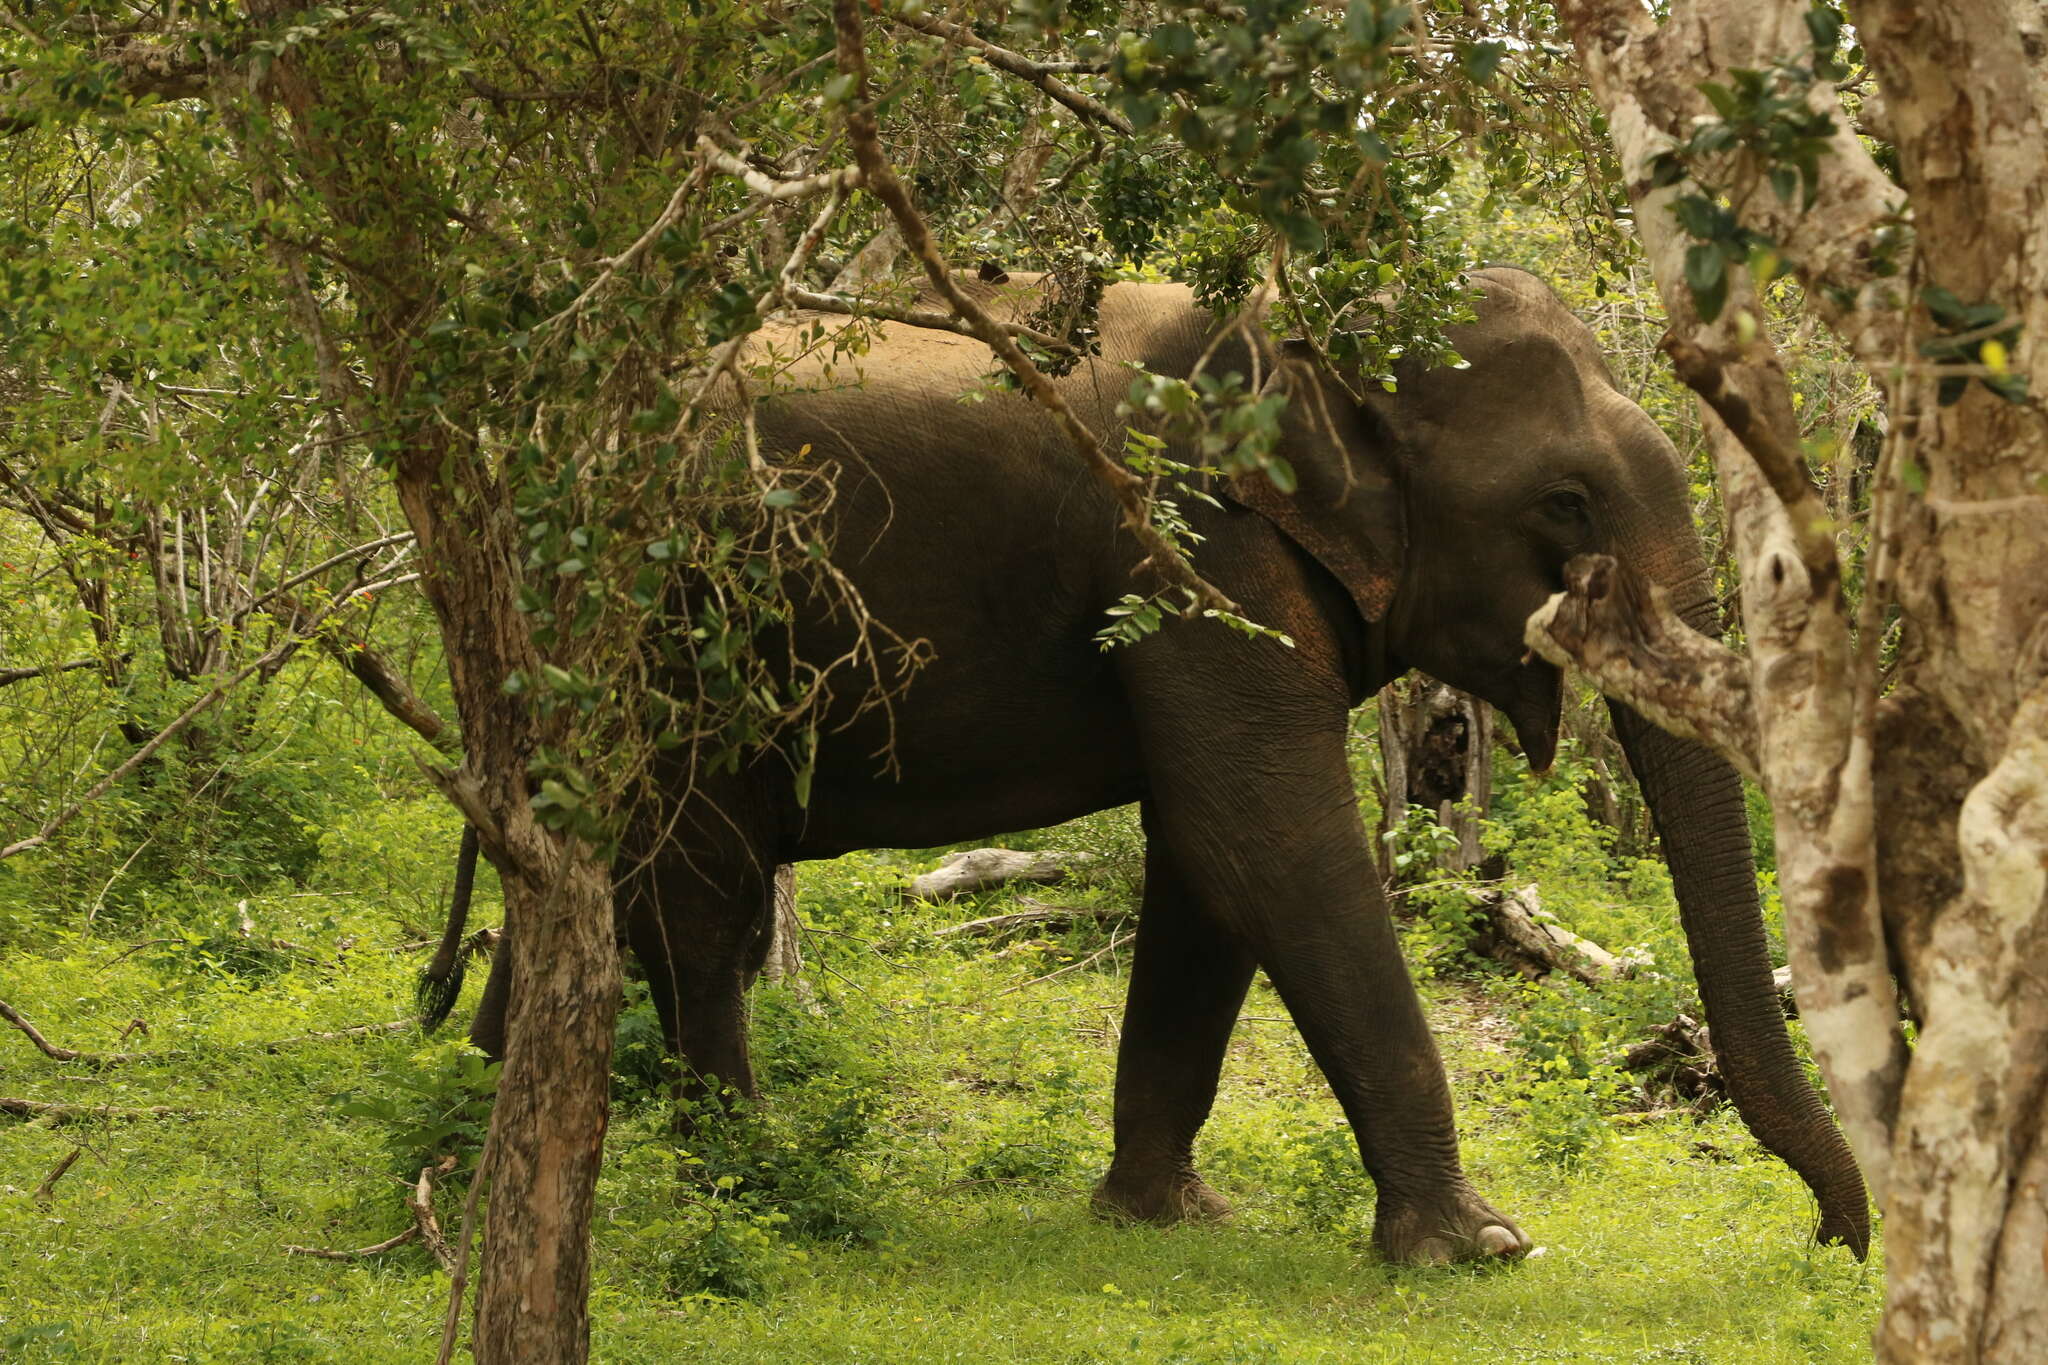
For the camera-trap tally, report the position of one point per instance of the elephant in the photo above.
(1425, 526)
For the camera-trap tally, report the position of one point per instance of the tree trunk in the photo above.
(1436, 751)
(1912, 831)
(785, 945)
(548, 1125)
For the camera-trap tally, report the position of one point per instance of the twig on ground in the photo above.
(107, 1059)
(458, 1274)
(44, 1190)
(1035, 913)
(359, 1253)
(358, 1031)
(73, 1113)
(65, 1054)
(419, 1198)
(1089, 960)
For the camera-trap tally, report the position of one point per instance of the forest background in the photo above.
(217, 682)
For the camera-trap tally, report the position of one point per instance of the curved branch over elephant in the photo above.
(1426, 527)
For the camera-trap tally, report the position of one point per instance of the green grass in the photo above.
(915, 1191)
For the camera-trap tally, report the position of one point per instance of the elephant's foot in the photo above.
(1159, 1195)
(1455, 1225)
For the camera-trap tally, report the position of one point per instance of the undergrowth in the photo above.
(913, 1186)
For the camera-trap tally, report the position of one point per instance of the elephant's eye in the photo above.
(1569, 515)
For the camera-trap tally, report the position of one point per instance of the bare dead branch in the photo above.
(1619, 628)
(65, 1054)
(1036, 73)
(915, 317)
(49, 1185)
(419, 1200)
(458, 1274)
(353, 552)
(773, 187)
(15, 675)
(57, 1114)
(359, 1253)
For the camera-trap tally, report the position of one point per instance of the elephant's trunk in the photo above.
(1695, 798)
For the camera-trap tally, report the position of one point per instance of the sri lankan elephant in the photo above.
(1426, 526)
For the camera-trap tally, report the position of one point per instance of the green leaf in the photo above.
(1705, 273)
(1481, 60)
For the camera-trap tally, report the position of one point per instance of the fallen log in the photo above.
(979, 869)
(1517, 930)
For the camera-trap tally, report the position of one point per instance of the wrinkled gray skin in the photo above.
(1427, 527)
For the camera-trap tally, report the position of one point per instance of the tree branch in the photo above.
(915, 317)
(15, 675)
(772, 187)
(1036, 73)
(865, 136)
(1706, 373)
(1619, 627)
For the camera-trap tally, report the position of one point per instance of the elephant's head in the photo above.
(1448, 510)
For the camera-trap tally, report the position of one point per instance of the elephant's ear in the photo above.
(1346, 509)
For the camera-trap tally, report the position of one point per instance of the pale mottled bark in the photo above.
(1808, 752)
(1953, 810)
(785, 960)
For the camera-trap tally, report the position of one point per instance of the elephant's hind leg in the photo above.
(1188, 980)
(699, 924)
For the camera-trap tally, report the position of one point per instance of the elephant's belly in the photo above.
(969, 764)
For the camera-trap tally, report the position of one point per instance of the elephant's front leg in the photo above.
(1252, 799)
(1188, 980)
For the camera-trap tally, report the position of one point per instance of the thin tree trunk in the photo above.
(785, 946)
(548, 1125)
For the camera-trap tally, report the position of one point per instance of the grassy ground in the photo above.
(916, 1190)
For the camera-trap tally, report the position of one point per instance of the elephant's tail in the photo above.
(440, 983)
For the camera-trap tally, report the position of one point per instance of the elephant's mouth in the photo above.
(1535, 707)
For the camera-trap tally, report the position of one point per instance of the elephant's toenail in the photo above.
(1495, 1240)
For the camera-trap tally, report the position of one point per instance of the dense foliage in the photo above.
(540, 238)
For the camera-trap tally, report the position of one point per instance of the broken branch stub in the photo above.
(1618, 627)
